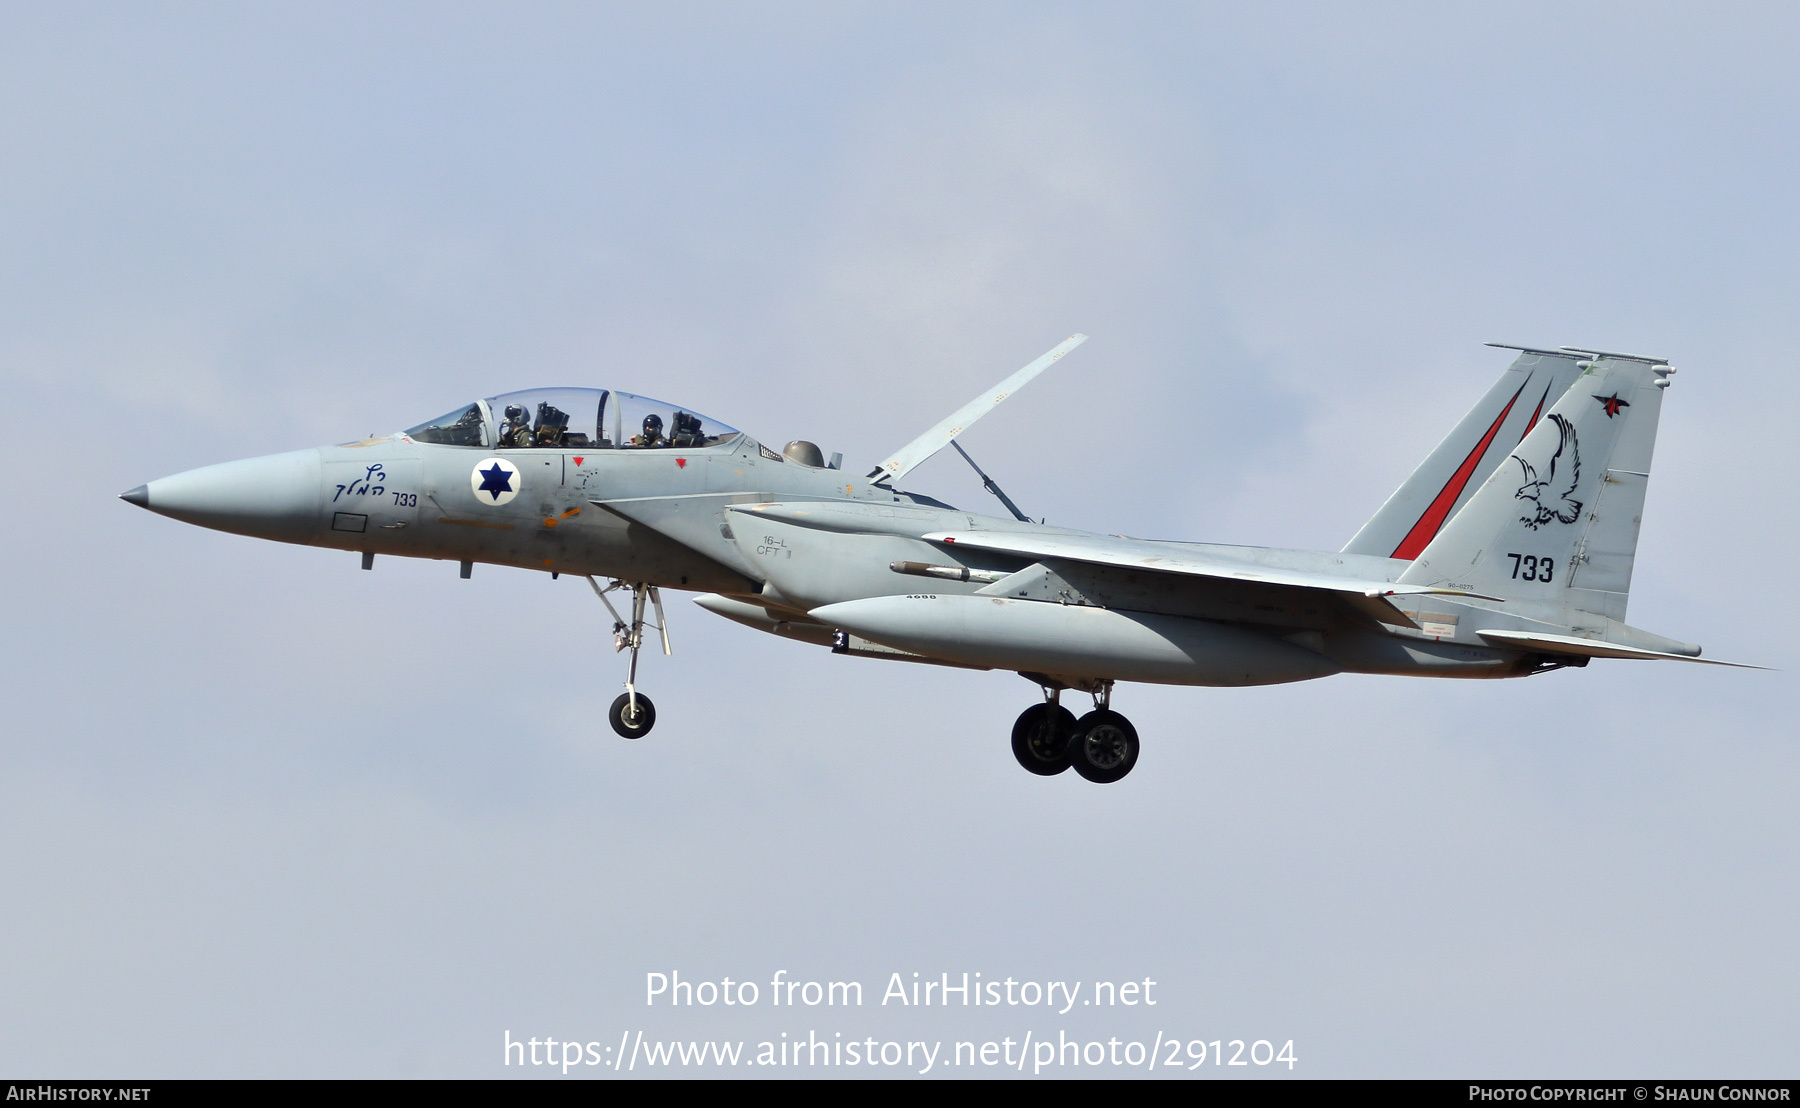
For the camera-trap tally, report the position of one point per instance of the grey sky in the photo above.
(264, 814)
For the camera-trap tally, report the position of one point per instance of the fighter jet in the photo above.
(1507, 553)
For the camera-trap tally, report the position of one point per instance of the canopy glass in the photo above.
(586, 419)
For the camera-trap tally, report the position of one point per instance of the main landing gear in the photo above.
(1102, 746)
(632, 715)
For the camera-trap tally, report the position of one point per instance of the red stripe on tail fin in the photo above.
(1427, 528)
(1536, 414)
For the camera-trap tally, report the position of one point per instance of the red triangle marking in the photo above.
(680, 463)
(578, 460)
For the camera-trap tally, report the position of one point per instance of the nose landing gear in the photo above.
(632, 714)
(1101, 746)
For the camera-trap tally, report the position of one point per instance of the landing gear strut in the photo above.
(632, 714)
(1102, 746)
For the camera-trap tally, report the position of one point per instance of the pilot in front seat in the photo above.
(516, 431)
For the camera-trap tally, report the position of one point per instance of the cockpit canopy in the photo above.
(587, 419)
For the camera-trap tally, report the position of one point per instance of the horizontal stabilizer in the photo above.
(1593, 648)
(909, 456)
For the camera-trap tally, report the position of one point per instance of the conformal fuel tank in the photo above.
(1076, 640)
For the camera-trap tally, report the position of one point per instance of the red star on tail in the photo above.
(1612, 404)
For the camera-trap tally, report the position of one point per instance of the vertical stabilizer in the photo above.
(1558, 520)
(1446, 480)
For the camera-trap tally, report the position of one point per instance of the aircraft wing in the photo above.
(909, 456)
(1134, 554)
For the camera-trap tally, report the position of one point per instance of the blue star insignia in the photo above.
(495, 480)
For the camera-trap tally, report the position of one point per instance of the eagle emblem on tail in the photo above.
(1553, 505)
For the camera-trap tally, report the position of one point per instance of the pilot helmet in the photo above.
(653, 425)
(515, 413)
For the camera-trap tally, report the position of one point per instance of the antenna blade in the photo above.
(934, 440)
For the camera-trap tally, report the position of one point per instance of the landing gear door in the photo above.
(379, 499)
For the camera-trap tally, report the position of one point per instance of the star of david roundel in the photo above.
(495, 481)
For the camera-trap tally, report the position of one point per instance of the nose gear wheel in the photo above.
(632, 720)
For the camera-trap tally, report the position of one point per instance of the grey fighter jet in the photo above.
(1507, 553)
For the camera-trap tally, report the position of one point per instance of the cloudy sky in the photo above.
(264, 814)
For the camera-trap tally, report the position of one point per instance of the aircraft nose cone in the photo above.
(272, 497)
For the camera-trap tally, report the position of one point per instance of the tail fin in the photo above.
(1558, 520)
(1412, 517)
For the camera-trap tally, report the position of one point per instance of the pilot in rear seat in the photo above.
(653, 432)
